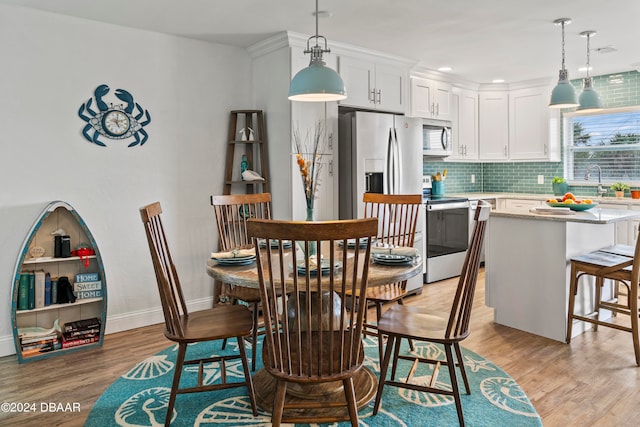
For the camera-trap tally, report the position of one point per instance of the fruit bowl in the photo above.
(573, 206)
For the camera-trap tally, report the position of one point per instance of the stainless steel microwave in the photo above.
(436, 138)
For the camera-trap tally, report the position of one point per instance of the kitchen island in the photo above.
(527, 265)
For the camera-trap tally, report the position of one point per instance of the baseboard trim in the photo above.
(122, 322)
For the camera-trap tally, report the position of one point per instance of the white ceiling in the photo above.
(481, 39)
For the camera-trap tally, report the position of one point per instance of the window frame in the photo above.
(567, 138)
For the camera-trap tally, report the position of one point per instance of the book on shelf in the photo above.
(41, 346)
(88, 294)
(87, 286)
(85, 333)
(47, 289)
(32, 291)
(80, 341)
(54, 290)
(39, 289)
(87, 277)
(37, 339)
(79, 325)
(23, 291)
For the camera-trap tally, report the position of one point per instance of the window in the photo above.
(609, 138)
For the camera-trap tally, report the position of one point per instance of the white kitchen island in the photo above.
(527, 265)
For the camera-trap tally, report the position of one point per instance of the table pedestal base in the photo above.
(365, 384)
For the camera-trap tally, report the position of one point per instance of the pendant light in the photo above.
(589, 98)
(564, 94)
(317, 82)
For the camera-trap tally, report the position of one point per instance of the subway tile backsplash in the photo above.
(617, 90)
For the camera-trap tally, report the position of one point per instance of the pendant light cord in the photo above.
(563, 67)
(588, 54)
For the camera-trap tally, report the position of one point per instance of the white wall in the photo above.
(51, 64)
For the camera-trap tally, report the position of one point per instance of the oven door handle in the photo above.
(447, 206)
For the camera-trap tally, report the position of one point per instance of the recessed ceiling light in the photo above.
(445, 69)
(497, 81)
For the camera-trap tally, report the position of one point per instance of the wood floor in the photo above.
(592, 382)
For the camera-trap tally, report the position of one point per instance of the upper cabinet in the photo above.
(493, 129)
(464, 118)
(431, 99)
(373, 85)
(530, 122)
(518, 125)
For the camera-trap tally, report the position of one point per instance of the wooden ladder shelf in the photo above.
(247, 136)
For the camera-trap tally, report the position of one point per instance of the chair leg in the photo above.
(254, 336)
(380, 337)
(633, 314)
(454, 383)
(247, 375)
(461, 365)
(182, 351)
(396, 352)
(411, 347)
(224, 341)
(278, 403)
(350, 395)
(598, 298)
(573, 289)
(383, 373)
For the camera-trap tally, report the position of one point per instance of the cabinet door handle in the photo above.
(432, 109)
(372, 95)
(546, 149)
(330, 167)
(505, 151)
(437, 109)
(379, 96)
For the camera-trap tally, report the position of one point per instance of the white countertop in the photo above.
(592, 216)
(542, 197)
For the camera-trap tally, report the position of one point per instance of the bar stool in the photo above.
(612, 263)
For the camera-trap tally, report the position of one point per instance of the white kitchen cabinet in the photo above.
(530, 137)
(464, 125)
(522, 204)
(373, 85)
(431, 99)
(493, 127)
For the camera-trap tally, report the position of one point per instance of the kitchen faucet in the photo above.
(601, 190)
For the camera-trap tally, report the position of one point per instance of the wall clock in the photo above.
(116, 121)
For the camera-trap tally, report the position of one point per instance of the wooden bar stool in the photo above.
(612, 264)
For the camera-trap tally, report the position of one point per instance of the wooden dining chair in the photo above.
(322, 344)
(183, 328)
(449, 330)
(397, 220)
(622, 268)
(232, 212)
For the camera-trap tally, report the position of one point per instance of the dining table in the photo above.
(365, 381)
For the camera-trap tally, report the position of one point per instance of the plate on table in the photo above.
(389, 259)
(325, 268)
(351, 243)
(243, 260)
(286, 244)
(578, 207)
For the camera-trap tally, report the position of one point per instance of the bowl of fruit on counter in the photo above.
(572, 202)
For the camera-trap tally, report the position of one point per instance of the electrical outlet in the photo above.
(473, 179)
(540, 179)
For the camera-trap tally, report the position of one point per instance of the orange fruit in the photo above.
(568, 201)
(588, 201)
(569, 196)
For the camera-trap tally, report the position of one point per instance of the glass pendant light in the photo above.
(564, 94)
(589, 98)
(317, 82)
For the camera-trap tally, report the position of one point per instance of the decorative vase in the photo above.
(313, 249)
(560, 188)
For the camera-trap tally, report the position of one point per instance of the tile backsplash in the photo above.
(616, 90)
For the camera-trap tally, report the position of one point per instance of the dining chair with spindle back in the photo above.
(183, 327)
(316, 336)
(420, 324)
(232, 212)
(397, 222)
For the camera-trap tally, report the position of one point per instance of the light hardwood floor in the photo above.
(592, 382)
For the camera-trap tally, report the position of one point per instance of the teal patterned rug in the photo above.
(139, 397)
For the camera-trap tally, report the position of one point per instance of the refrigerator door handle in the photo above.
(396, 163)
(389, 166)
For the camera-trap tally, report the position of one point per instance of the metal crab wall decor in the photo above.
(114, 121)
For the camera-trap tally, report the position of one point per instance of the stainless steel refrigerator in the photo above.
(380, 153)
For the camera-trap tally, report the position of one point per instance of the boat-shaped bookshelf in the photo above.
(36, 311)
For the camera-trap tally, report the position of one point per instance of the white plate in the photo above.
(325, 267)
(387, 259)
(351, 243)
(274, 243)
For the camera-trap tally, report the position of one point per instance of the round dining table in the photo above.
(365, 381)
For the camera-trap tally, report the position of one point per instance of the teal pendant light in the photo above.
(589, 98)
(564, 94)
(317, 82)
